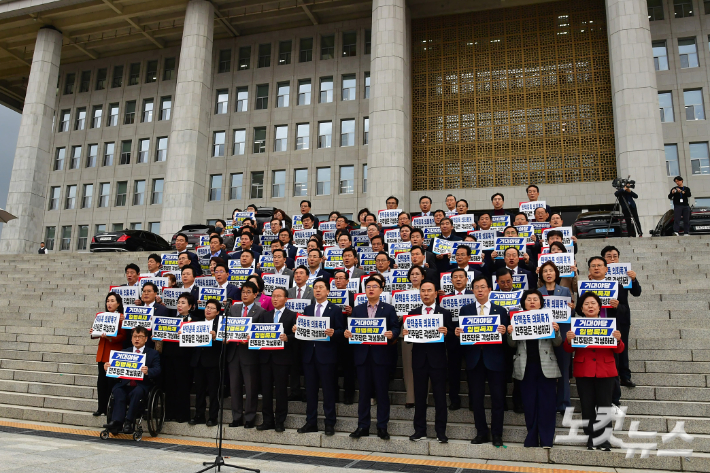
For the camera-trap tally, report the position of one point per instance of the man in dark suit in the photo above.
(280, 269)
(373, 362)
(216, 250)
(424, 206)
(511, 261)
(277, 245)
(243, 363)
(315, 258)
(181, 247)
(486, 362)
(132, 391)
(149, 296)
(429, 364)
(276, 364)
(221, 274)
(346, 354)
(463, 258)
(320, 360)
(247, 243)
(447, 233)
(418, 259)
(416, 237)
(300, 290)
(285, 238)
(205, 364)
(459, 278)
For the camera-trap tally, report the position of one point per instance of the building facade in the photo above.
(403, 98)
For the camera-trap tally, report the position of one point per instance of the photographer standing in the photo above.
(628, 207)
(681, 206)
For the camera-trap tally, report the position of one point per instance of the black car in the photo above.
(128, 240)
(596, 225)
(699, 222)
(193, 232)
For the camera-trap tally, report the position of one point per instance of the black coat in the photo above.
(287, 355)
(433, 354)
(207, 357)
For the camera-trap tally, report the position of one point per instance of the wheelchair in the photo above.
(153, 413)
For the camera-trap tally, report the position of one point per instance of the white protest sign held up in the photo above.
(196, 334)
(105, 323)
(424, 328)
(532, 325)
(480, 330)
(312, 328)
(559, 305)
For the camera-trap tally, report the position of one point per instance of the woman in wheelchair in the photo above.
(127, 394)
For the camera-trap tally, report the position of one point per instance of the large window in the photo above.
(325, 134)
(117, 78)
(347, 133)
(366, 130)
(672, 160)
(284, 53)
(100, 228)
(655, 10)
(699, 160)
(49, 236)
(694, 109)
(75, 160)
(240, 140)
(154, 227)
(219, 141)
(151, 72)
(161, 148)
(69, 84)
(327, 47)
(259, 140)
(129, 116)
(169, 68)
(326, 89)
(225, 61)
(143, 150)
(109, 151)
(262, 97)
(367, 85)
(323, 181)
(215, 187)
(235, 186)
(281, 138)
(300, 182)
(265, 55)
(88, 196)
(59, 156)
(688, 52)
(683, 8)
(347, 179)
(85, 81)
(278, 184)
(54, 194)
(156, 196)
(97, 116)
(104, 194)
(349, 87)
(147, 110)
(242, 99)
(305, 50)
(64, 118)
(113, 111)
(302, 135)
(139, 192)
(257, 185)
(166, 104)
(364, 178)
(222, 102)
(304, 92)
(80, 122)
(244, 58)
(83, 237)
(134, 73)
(665, 102)
(101, 78)
(349, 43)
(282, 94)
(92, 156)
(125, 152)
(70, 199)
(66, 238)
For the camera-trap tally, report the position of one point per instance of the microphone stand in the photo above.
(218, 462)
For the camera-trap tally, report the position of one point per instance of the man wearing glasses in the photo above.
(221, 274)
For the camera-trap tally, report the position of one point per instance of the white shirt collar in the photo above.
(279, 271)
(487, 305)
(151, 304)
(188, 287)
(224, 286)
(433, 308)
(514, 270)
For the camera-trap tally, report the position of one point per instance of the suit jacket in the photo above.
(433, 354)
(195, 263)
(241, 350)
(493, 355)
(356, 272)
(380, 353)
(307, 294)
(442, 265)
(548, 360)
(286, 272)
(594, 362)
(324, 352)
(110, 343)
(291, 251)
(237, 254)
(471, 267)
(287, 355)
(222, 254)
(152, 361)
(323, 273)
(207, 357)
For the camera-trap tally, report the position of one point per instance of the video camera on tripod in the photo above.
(620, 183)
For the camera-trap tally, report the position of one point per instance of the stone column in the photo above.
(637, 125)
(185, 178)
(389, 156)
(26, 198)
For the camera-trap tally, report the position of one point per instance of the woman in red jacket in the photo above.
(106, 344)
(594, 370)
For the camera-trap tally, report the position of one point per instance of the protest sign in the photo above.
(480, 330)
(136, 315)
(539, 227)
(300, 237)
(233, 329)
(297, 305)
(312, 328)
(389, 217)
(406, 301)
(424, 328)
(105, 323)
(361, 298)
(397, 280)
(333, 258)
(455, 303)
(170, 261)
(463, 223)
(430, 233)
(563, 261)
(527, 232)
(395, 249)
(403, 260)
(205, 294)
(507, 300)
(329, 239)
(272, 281)
(238, 276)
(499, 222)
(532, 325)
(301, 261)
(520, 282)
(392, 236)
(566, 235)
(239, 217)
(559, 305)
(358, 231)
(327, 226)
(177, 274)
(160, 282)
(128, 293)
(265, 242)
(546, 249)
(170, 296)
(266, 262)
(617, 272)
(606, 290)
(593, 332)
(339, 297)
(442, 246)
(204, 241)
(165, 329)
(361, 240)
(487, 238)
(206, 281)
(528, 208)
(421, 222)
(367, 261)
(125, 365)
(503, 243)
(476, 251)
(367, 331)
(196, 334)
(266, 337)
(296, 223)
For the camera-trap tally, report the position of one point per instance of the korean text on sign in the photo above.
(480, 330)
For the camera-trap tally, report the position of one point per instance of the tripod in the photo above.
(218, 462)
(630, 221)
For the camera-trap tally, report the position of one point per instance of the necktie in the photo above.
(347, 271)
(277, 314)
(318, 310)
(482, 310)
(246, 311)
(138, 350)
(428, 310)
(460, 294)
(298, 296)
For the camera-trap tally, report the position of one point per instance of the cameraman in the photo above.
(681, 206)
(628, 206)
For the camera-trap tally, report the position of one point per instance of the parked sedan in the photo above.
(699, 222)
(596, 225)
(128, 240)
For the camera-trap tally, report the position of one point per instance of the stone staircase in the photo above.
(48, 372)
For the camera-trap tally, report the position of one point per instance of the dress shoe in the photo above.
(98, 413)
(455, 405)
(360, 432)
(409, 405)
(329, 430)
(308, 428)
(415, 437)
(479, 439)
(236, 423)
(265, 426)
(382, 433)
(348, 399)
(211, 423)
(497, 441)
(114, 425)
(196, 420)
(128, 427)
(628, 383)
(249, 424)
(442, 439)
(280, 428)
